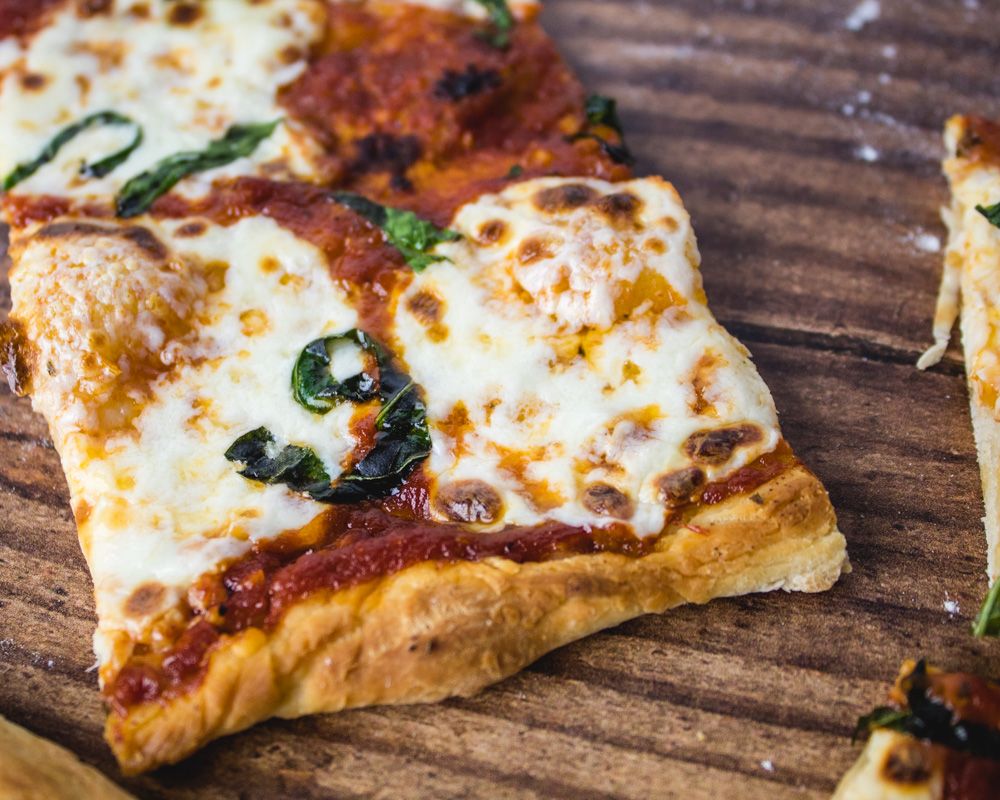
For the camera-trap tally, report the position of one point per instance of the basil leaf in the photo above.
(142, 191)
(98, 169)
(987, 622)
(316, 389)
(602, 110)
(299, 468)
(930, 719)
(992, 213)
(618, 153)
(501, 21)
(411, 235)
(882, 717)
(402, 438)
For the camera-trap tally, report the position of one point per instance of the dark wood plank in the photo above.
(755, 108)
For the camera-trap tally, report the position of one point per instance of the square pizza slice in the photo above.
(340, 433)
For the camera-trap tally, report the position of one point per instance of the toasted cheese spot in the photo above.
(630, 372)
(907, 763)
(254, 322)
(81, 512)
(492, 232)
(145, 599)
(605, 500)
(701, 382)
(269, 265)
(428, 308)
(471, 501)
(716, 447)
(621, 209)
(184, 13)
(536, 248)
(564, 197)
(33, 81)
(139, 10)
(679, 487)
(190, 230)
(669, 224)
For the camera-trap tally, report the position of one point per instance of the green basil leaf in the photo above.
(602, 110)
(315, 388)
(987, 622)
(97, 169)
(142, 191)
(501, 21)
(297, 467)
(992, 213)
(402, 438)
(882, 717)
(411, 235)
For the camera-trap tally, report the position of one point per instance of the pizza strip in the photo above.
(971, 270)
(940, 739)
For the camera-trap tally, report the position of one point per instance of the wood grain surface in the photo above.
(808, 155)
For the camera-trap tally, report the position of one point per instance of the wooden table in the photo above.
(808, 155)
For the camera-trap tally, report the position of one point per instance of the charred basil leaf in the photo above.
(987, 622)
(927, 717)
(602, 111)
(141, 191)
(313, 385)
(411, 235)
(501, 22)
(96, 169)
(992, 213)
(297, 467)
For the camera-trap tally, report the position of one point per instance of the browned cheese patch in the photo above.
(565, 197)
(470, 501)
(715, 447)
(606, 500)
(680, 487)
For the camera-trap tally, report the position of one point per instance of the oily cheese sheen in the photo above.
(569, 355)
(184, 78)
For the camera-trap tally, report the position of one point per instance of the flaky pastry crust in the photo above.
(436, 630)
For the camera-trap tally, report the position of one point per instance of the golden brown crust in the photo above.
(436, 630)
(893, 766)
(32, 768)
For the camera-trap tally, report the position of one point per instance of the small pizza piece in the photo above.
(972, 273)
(939, 740)
(33, 768)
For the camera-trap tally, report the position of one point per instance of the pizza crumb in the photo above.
(700, 736)
(767, 765)
(863, 13)
(951, 606)
(925, 242)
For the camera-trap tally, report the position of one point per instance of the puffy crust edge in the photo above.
(436, 630)
(33, 768)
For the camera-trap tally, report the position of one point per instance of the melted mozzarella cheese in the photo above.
(184, 82)
(560, 390)
(157, 502)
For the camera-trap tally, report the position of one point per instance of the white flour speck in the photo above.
(864, 96)
(927, 242)
(866, 153)
(890, 51)
(951, 606)
(767, 765)
(847, 109)
(866, 11)
(884, 78)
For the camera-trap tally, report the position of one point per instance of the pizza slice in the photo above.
(939, 740)
(345, 423)
(972, 272)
